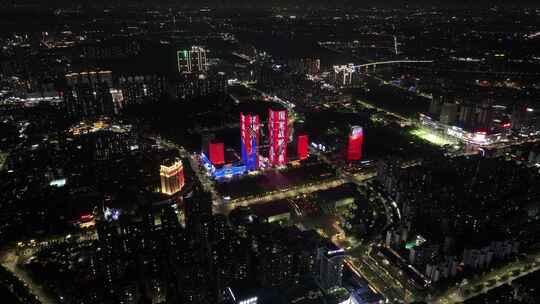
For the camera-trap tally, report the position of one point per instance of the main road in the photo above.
(491, 280)
(225, 208)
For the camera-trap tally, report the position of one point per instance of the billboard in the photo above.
(277, 129)
(216, 153)
(302, 147)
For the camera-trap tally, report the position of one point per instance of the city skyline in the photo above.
(282, 152)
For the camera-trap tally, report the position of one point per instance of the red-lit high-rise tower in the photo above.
(249, 133)
(354, 148)
(302, 147)
(277, 134)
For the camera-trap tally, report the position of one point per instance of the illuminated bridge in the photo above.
(375, 64)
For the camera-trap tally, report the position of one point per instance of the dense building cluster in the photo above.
(205, 259)
(465, 211)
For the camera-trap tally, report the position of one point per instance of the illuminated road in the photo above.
(225, 208)
(10, 261)
(380, 279)
(493, 279)
(374, 64)
(205, 180)
(366, 272)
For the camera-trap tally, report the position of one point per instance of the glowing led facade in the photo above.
(277, 129)
(249, 133)
(344, 74)
(216, 153)
(302, 147)
(354, 148)
(183, 60)
(172, 177)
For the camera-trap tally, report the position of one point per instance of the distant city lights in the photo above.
(58, 183)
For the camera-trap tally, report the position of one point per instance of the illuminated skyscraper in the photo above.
(277, 134)
(356, 139)
(330, 264)
(520, 115)
(172, 176)
(302, 146)
(436, 104)
(485, 115)
(466, 115)
(192, 60)
(449, 113)
(192, 85)
(198, 210)
(141, 88)
(88, 94)
(343, 74)
(249, 133)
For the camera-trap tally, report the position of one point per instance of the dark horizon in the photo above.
(299, 4)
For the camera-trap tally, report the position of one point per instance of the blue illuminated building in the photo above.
(223, 171)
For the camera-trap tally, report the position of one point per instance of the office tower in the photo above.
(169, 220)
(435, 105)
(343, 74)
(277, 135)
(88, 94)
(111, 49)
(172, 176)
(485, 115)
(277, 264)
(330, 266)
(184, 61)
(448, 113)
(109, 145)
(466, 115)
(193, 85)
(198, 210)
(312, 65)
(109, 248)
(105, 145)
(249, 133)
(190, 86)
(354, 148)
(217, 83)
(199, 62)
(305, 65)
(519, 116)
(192, 60)
(302, 146)
(117, 100)
(216, 153)
(141, 88)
